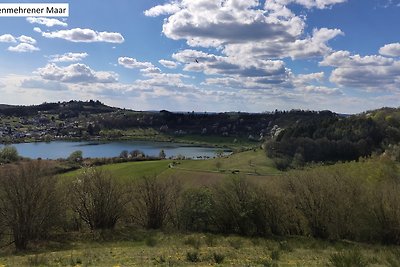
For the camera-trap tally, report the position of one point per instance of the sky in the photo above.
(207, 55)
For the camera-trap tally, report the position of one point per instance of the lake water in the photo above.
(62, 149)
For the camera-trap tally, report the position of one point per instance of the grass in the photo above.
(132, 170)
(253, 162)
(171, 251)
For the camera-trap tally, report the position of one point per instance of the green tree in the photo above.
(162, 154)
(75, 156)
(8, 154)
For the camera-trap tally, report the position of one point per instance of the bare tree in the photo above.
(98, 198)
(29, 202)
(154, 201)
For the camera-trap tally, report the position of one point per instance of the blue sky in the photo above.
(207, 55)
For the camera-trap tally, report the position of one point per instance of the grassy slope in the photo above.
(132, 170)
(155, 248)
(252, 162)
(195, 172)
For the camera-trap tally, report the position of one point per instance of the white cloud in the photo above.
(321, 4)
(76, 73)
(23, 48)
(7, 38)
(37, 29)
(85, 36)
(168, 64)
(212, 64)
(162, 10)
(246, 29)
(215, 23)
(371, 73)
(68, 57)
(150, 71)
(48, 22)
(26, 39)
(132, 63)
(390, 50)
(321, 90)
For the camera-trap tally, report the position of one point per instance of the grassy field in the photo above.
(132, 170)
(157, 248)
(253, 164)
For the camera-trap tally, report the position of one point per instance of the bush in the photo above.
(352, 258)
(193, 256)
(98, 198)
(196, 210)
(275, 255)
(29, 202)
(233, 206)
(8, 154)
(154, 201)
(218, 258)
(75, 156)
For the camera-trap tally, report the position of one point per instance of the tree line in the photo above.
(354, 201)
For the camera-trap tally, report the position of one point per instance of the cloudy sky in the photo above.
(207, 55)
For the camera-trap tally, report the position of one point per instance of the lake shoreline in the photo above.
(61, 149)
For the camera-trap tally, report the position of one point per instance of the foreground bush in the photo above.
(98, 198)
(29, 202)
(154, 201)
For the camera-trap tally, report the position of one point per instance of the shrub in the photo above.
(8, 154)
(98, 198)
(233, 206)
(352, 258)
(275, 254)
(29, 202)
(196, 210)
(193, 256)
(153, 201)
(218, 257)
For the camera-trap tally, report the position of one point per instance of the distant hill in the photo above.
(71, 108)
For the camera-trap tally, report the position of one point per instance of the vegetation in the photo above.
(338, 187)
(8, 154)
(98, 199)
(29, 202)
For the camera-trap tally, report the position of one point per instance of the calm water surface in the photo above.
(62, 149)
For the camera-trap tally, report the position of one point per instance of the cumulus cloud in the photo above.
(365, 72)
(212, 64)
(322, 90)
(162, 10)
(246, 29)
(85, 36)
(132, 63)
(26, 39)
(321, 4)
(211, 23)
(48, 22)
(390, 50)
(7, 38)
(168, 64)
(76, 73)
(68, 57)
(23, 48)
